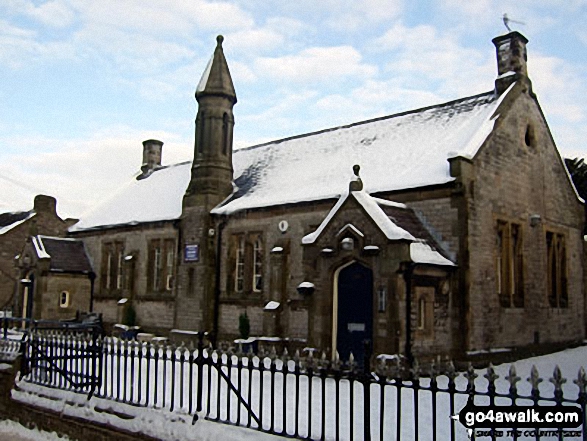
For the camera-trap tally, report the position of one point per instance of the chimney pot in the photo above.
(152, 150)
(511, 59)
(45, 204)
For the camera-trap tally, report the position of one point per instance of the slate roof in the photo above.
(10, 220)
(401, 151)
(66, 255)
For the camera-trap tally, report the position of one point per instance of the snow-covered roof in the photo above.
(405, 150)
(155, 198)
(396, 221)
(421, 252)
(8, 221)
(373, 210)
(65, 254)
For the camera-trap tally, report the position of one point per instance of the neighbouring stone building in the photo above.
(442, 230)
(15, 228)
(57, 278)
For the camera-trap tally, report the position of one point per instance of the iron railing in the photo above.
(302, 397)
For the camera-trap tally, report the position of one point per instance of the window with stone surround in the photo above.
(112, 269)
(246, 261)
(556, 253)
(509, 267)
(160, 265)
(64, 299)
(424, 303)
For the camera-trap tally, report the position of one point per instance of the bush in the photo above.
(244, 326)
(129, 317)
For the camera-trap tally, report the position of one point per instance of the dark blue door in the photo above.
(355, 310)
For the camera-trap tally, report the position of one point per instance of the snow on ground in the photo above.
(154, 418)
(12, 431)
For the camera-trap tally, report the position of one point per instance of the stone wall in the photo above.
(518, 174)
(47, 222)
(51, 421)
(77, 285)
(154, 309)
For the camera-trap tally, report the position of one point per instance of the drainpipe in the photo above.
(408, 273)
(222, 223)
(92, 277)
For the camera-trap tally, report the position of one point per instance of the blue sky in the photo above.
(85, 82)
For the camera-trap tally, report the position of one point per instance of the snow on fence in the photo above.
(301, 397)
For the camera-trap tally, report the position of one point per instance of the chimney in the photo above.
(45, 204)
(511, 60)
(152, 149)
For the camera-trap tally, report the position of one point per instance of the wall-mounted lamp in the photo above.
(347, 244)
(306, 288)
(535, 220)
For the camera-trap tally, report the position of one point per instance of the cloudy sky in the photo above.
(84, 82)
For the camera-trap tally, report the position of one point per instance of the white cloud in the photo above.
(130, 51)
(55, 13)
(316, 65)
(253, 41)
(20, 46)
(164, 18)
(80, 172)
(423, 57)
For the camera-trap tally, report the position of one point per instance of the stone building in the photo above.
(15, 227)
(442, 230)
(57, 279)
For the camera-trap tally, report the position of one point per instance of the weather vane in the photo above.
(507, 21)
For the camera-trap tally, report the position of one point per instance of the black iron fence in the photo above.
(303, 397)
(62, 354)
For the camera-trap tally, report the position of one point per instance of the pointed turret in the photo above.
(212, 166)
(216, 78)
(210, 184)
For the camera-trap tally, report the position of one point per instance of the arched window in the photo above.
(200, 140)
(239, 280)
(225, 134)
(64, 299)
(258, 265)
(530, 136)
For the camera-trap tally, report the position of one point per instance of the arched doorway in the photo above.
(352, 310)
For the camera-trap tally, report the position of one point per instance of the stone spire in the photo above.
(212, 167)
(216, 78)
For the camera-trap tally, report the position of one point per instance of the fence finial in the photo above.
(581, 380)
(534, 378)
(512, 377)
(557, 379)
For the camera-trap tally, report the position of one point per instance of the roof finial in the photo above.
(219, 40)
(356, 184)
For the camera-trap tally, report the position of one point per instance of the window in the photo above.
(247, 253)
(240, 265)
(382, 299)
(161, 264)
(64, 299)
(112, 268)
(556, 270)
(258, 265)
(421, 313)
(530, 136)
(509, 265)
(225, 134)
(201, 133)
(424, 305)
